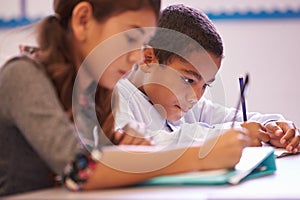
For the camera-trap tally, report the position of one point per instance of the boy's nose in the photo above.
(194, 96)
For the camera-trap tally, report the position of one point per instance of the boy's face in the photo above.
(177, 87)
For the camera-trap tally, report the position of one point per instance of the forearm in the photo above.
(106, 177)
(139, 168)
(127, 165)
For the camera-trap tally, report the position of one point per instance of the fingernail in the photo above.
(117, 136)
(282, 141)
(295, 150)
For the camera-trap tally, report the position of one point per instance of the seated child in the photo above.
(165, 91)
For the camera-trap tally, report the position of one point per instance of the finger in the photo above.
(276, 143)
(146, 142)
(263, 136)
(133, 135)
(289, 135)
(118, 136)
(135, 128)
(132, 129)
(285, 126)
(262, 127)
(297, 149)
(273, 128)
(293, 144)
(136, 141)
(126, 140)
(140, 141)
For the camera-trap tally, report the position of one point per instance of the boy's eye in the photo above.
(187, 80)
(206, 85)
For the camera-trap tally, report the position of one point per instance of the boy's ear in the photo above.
(148, 59)
(81, 17)
(149, 56)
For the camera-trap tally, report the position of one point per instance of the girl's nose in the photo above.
(134, 56)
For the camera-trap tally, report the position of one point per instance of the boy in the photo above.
(181, 60)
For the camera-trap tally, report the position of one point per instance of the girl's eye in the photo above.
(188, 80)
(131, 39)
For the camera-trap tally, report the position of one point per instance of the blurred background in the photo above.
(261, 37)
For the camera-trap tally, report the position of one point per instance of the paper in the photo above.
(250, 160)
(281, 152)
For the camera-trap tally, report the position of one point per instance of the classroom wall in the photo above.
(267, 48)
(263, 39)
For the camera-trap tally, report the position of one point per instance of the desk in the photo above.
(284, 184)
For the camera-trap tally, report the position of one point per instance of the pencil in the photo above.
(243, 102)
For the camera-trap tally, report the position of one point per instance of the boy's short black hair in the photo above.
(188, 21)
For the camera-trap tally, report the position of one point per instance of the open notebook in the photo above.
(255, 162)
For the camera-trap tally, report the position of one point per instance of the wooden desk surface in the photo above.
(284, 184)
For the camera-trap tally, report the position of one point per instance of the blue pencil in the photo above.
(241, 81)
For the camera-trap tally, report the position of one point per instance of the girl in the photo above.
(37, 115)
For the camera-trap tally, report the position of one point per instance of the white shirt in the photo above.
(205, 117)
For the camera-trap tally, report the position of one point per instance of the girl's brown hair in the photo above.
(56, 50)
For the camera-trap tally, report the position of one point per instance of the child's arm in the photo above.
(221, 152)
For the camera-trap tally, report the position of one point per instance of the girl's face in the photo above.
(114, 45)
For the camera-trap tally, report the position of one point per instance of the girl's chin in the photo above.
(109, 84)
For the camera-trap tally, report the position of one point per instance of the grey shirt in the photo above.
(36, 136)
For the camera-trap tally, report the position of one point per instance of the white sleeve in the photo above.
(213, 113)
(186, 134)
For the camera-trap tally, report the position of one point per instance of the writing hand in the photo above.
(229, 145)
(257, 133)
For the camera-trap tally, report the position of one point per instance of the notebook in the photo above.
(255, 162)
(281, 152)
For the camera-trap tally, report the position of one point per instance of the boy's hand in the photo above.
(132, 134)
(229, 145)
(284, 135)
(257, 133)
